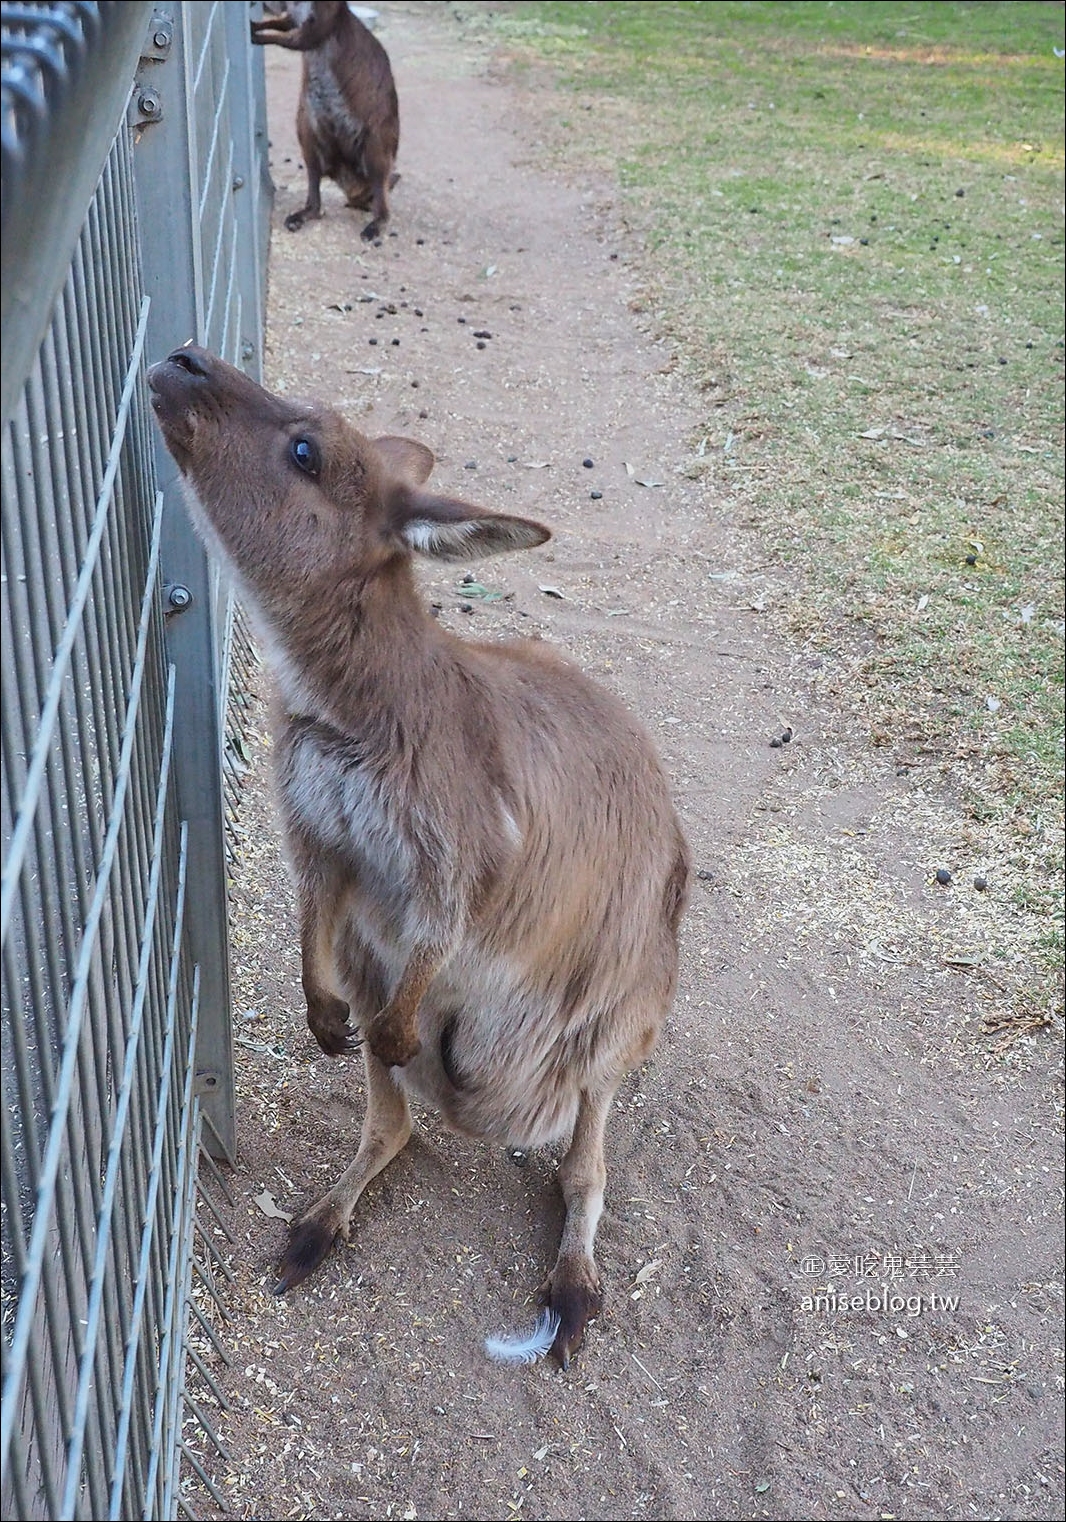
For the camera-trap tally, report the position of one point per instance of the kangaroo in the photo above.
(348, 118)
(489, 869)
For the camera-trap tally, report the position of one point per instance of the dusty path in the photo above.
(823, 1117)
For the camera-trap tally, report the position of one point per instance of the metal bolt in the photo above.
(149, 104)
(179, 598)
(238, 181)
(160, 39)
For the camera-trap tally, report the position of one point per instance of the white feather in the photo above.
(512, 1347)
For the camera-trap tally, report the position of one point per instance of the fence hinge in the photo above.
(160, 37)
(146, 102)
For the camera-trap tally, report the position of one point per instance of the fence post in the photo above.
(173, 158)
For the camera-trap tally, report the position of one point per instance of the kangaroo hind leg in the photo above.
(386, 1130)
(572, 1290)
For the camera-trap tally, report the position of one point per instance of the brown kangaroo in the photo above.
(348, 119)
(489, 867)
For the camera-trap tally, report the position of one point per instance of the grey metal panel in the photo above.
(98, 44)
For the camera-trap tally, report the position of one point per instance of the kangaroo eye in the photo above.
(304, 455)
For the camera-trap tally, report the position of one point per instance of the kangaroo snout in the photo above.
(172, 378)
(197, 398)
(171, 383)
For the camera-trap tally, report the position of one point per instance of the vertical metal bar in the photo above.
(251, 188)
(166, 162)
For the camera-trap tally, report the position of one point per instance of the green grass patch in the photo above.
(852, 220)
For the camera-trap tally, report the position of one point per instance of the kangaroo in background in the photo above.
(348, 118)
(489, 868)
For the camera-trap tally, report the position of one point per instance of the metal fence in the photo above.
(135, 216)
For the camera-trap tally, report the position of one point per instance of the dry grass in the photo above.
(851, 219)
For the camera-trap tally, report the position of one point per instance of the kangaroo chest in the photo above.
(336, 801)
(329, 110)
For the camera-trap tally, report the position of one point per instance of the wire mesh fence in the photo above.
(135, 216)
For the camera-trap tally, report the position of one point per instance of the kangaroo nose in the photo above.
(192, 359)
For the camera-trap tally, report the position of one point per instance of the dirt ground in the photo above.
(832, 1243)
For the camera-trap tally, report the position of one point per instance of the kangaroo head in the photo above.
(297, 500)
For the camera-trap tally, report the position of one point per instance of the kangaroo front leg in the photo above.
(386, 1129)
(393, 1033)
(272, 29)
(286, 33)
(309, 145)
(327, 1015)
(572, 1289)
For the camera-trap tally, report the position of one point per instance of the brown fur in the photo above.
(348, 118)
(489, 867)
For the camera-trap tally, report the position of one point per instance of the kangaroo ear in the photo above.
(405, 459)
(446, 529)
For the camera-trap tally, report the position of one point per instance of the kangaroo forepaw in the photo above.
(296, 219)
(392, 1044)
(310, 1241)
(371, 231)
(572, 1291)
(328, 1023)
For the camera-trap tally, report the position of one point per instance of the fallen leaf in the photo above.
(269, 1207)
(481, 593)
(872, 433)
(646, 481)
(536, 464)
(550, 591)
(923, 603)
(644, 1274)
